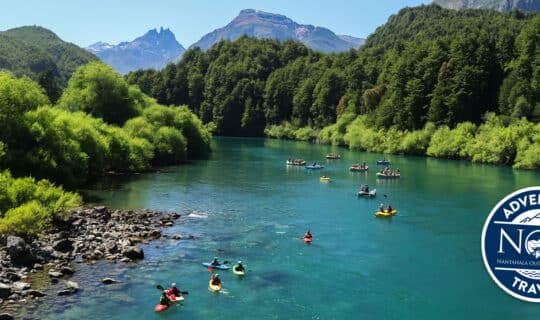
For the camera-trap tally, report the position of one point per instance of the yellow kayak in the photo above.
(212, 287)
(385, 213)
(325, 179)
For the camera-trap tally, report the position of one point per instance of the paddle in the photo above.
(161, 288)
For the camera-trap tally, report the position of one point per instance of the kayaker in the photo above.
(308, 234)
(215, 262)
(164, 300)
(215, 279)
(389, 208)
(239, 266)
(174, 290)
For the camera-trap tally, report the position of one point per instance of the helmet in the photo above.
(165, 291)
(215, 258)
(173, 284)
(216, 275)
(239, 262)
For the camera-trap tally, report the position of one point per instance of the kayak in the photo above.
(160, 307)
(308, 240)
(212, 287)
(325, 179)
(315, 167)
(385, 162)
(220, 267)
(238, 272)
(385, 213)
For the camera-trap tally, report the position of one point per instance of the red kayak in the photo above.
(308, 240)
(160, 307)
(172, 298)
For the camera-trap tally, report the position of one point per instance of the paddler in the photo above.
(215, 262)
(308, 234)
(239, 266)
(215, 279)
(164, 299)
(174, 290)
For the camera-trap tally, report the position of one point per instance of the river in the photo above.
(247, 205)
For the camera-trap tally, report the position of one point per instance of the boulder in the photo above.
(71, 287)
(63, 245)
(35, 293)
(20, 286)
(13, 276)
(5, 290)
(55, 274)
(67, 270)
(19, 251)
(108, 281)
(133, 252)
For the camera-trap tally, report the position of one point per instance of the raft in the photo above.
(389, 176)
(324, 179)
(371, 193)
(358, 168)
(333, 156)
(385, 213)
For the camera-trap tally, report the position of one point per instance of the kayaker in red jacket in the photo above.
(174, 290)
(308, 235)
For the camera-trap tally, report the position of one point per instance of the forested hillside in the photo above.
(34, 51)
(426, 67)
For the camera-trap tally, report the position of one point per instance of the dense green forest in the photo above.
(100, 124)
(470, 72)
(41, 55)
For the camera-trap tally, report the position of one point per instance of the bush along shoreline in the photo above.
(84, 235)
(498, 140)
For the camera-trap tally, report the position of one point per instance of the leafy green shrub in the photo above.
(28, 206)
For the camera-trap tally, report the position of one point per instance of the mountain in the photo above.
(33, 50)
(155, 50)
(261, 24)
(500, 5)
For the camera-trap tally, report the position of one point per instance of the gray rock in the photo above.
(20, 286)
(134, 253)
(55, 274)
(67, 270)
(108, 281)
(63, 245)
(71, 287)
(19, 251)
(38, 266)
(13, 276)
(35, 293)
(5, 291)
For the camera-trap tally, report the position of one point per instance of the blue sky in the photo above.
(113, 21)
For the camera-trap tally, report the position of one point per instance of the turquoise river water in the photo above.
(245, 203)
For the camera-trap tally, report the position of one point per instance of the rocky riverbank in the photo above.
(88, 235)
